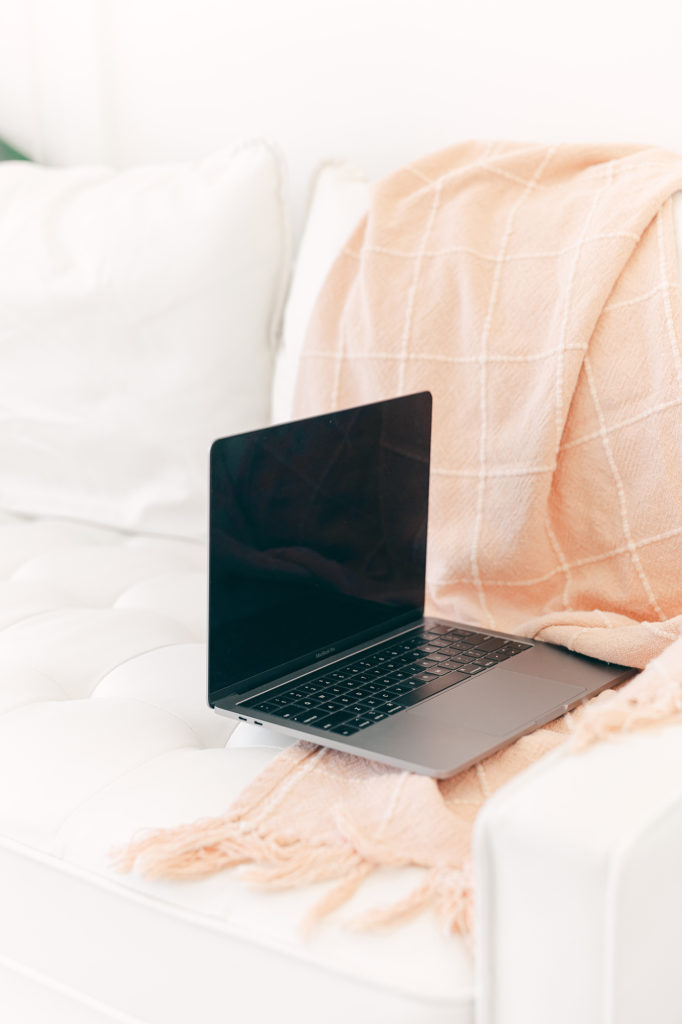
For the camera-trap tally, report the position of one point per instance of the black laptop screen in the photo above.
(317, 538)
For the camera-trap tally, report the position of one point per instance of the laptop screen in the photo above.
(317, 538)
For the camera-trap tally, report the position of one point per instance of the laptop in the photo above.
(317, 559)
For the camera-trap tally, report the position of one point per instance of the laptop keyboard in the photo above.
(363, 690)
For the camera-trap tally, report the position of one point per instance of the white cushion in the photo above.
(137, 316)
(104, 729)
(339, 199)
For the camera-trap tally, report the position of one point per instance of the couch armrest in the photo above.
(578, 868)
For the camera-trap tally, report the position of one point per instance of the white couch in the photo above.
(103, 723)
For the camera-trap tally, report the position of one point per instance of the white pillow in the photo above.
(340, 196)
(138, 310)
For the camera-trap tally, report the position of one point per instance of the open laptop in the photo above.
(317, 557)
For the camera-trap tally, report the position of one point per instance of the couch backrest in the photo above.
(376, 82)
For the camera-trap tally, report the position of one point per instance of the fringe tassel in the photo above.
(194, 851)
(303, 864)
(401, 910)
(335, 897)
(449, 891)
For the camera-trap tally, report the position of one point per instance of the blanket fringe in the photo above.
(200, 849)
(195, 850)
(449, 891)
(303, 864)
(401, 910)
(335, 897)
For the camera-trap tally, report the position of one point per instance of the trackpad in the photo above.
(499, 702)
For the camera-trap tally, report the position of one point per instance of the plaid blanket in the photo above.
(534, 291)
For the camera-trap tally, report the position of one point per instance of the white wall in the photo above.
(373, 81)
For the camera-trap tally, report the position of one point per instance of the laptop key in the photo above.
(472, 668)
(295, 694)
(371, 702)
(435, 686)
(332, 723)
(330, 706)
(312, 717)
(395, 691)
(491, 644)
(266, 707)
(295, 714)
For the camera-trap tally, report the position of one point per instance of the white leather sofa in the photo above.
(103, 723)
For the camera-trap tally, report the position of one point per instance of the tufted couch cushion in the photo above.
(104, 729)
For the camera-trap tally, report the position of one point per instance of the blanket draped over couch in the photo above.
(534, 291)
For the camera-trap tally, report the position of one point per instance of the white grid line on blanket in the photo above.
(620, 424)
(473, 360)
(626, 303)
(578, 563)
(495, 471)
(494, 291)
(595, 172)
(339, 356)
(419, 174)
(622, 502)
(409, 313)
(559, 386)
(465, 250)
(437, 358)
(485, 164)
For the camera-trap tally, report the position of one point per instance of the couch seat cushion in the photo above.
(104, 730)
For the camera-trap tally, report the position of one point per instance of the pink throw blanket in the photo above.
(534, 290)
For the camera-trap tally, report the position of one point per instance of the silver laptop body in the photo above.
(317, 554)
